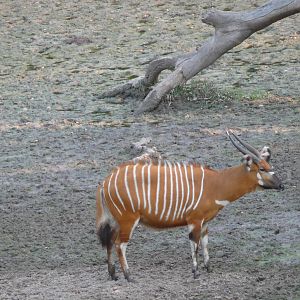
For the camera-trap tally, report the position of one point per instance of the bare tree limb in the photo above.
(231, 29)
(144, 152)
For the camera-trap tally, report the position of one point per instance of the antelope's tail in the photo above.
(104, 223)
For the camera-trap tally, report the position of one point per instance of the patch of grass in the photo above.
(199, 91)
(240, 94)
(204, 93)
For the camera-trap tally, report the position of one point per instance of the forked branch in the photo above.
(231, 29)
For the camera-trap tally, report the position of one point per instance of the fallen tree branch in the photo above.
(144, 152)
(231, 29)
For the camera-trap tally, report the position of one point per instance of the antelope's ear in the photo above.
(247, 161)
(265, 153)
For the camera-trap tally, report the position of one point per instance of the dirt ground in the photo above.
(58, 139)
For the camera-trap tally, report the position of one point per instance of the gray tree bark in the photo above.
(231, 29)
(143, 152)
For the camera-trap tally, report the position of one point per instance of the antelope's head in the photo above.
(257, 163)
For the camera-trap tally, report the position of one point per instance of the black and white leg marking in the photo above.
(194, 249)
(204, 242)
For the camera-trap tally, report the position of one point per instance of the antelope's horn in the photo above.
(254, 157)
(236, 145)
(246, 145)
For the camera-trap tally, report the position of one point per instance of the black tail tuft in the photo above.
(105, 234)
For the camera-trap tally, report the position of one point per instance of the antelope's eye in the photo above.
(262, 169)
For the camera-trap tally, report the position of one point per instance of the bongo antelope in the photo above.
(162, 194)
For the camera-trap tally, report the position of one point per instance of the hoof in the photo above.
(208, 268)
(128, 277)
(196, 273)
(131, 280)
(114, 277)
(112, 273)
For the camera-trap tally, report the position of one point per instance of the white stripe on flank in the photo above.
(127, 188)
(157, 188)
(171, 193)
(201, 191)
(177, 192)
(188, 190)
(193, 188)
(165, 191)
(110, 197)
(116, 188)
(149, 188)
(143, 186)
(182, 190)
(136, 186)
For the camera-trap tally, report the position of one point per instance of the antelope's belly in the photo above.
(161, 223)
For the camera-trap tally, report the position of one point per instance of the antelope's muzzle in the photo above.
(278, 185)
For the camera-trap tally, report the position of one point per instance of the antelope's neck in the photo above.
(230, 184)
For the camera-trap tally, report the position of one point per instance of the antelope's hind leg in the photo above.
(125, 232)
(110, 262)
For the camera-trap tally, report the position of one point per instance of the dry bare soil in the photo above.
(58, 139)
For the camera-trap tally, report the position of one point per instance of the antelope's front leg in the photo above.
(204, 242)
(194, 249)
(194, 237)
